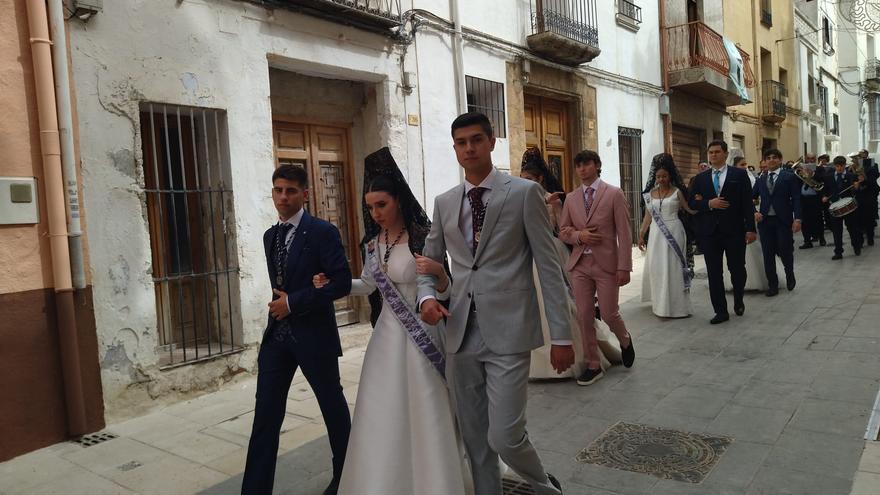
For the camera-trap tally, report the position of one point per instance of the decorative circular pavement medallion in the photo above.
(665, 453)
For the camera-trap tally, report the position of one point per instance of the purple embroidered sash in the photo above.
(658, 220)
(405, 315)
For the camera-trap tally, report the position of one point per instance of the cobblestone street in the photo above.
(793, 382)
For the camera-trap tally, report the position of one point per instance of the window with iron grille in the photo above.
(629, 143)
(827, 35)
(874, 117)
(835, 125)
(192, 232)
(823, 103)
(766, 13)
(487, 97)
(630, 10)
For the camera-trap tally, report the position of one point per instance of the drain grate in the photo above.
(516, 487)
(95, 438)
(662, 452)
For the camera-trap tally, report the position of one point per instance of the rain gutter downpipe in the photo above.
(50, 148)
(458, 58)
(65, 129)
(664, 74)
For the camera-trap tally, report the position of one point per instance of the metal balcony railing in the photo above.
(872, 69)
(697, 45)
(363, 13)
(766, 18)
(773, 97)
(630, 10)
(572, 19)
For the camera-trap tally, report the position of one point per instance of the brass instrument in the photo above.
(806, 176)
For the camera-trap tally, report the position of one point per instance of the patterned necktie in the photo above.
(280, 252)
(772, 181)
(716, 181)
(478, 214)
(588, 200)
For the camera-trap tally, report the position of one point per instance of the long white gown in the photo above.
(756, 277)
(403, 437)
(662, 282)
(609, 347)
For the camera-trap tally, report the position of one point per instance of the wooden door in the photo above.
(687, 150)
(547, 127)
(323, 151)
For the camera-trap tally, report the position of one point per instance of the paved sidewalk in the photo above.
(793, 382)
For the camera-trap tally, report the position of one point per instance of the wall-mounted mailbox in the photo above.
(18, 201)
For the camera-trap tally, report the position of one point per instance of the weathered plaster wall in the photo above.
(214, 54)
(24, 249)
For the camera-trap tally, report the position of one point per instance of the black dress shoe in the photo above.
(628, 355)
(739, 308)
(790, 282)
(806, 245)
(871, 242)
(332, 488)
(554, 482)
(719, 319)
(772, 291)
(837, 257)
(858, 251)
(822, 241)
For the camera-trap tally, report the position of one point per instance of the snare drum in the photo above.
(843, 207)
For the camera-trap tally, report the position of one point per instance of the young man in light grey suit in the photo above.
(493, 226)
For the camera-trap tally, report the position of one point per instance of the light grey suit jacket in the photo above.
(498, 277)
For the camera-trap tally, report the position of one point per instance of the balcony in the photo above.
(373, 15)
(773, 97)
(766, 18)
(872, 74)
(564, 31)
(629, 15)
(699, 63)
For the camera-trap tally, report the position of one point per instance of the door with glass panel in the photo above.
(323, 151)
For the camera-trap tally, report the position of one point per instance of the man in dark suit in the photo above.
(867, 195)
(842, 184)
(301, 332)
(725, 221)
(778, 218)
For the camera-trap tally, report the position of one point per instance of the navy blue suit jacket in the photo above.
(786, 196)
(316, 248)
(736, 219)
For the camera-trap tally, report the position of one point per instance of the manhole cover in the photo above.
(94, 438)
(664, 453)
(516, 487)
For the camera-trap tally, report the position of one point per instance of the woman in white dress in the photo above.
(535, 169)
(756, 278)
(666, 281)
(403, 438)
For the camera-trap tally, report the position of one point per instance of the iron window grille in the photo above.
(630, 10)
(874, 117)
(629, 143)
(827, 36)
(836, 122)
(775, 95)
(192, 232)
(573, 19)
(487, 97)
(766, 13)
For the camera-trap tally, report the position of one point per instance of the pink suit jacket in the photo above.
(609, 214)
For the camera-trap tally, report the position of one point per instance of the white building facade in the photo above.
(185, 108)
(816, 24)
(859, 81)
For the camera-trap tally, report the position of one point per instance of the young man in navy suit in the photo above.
(840, 184)
(725, 222)
(778, 218)
(301, 332)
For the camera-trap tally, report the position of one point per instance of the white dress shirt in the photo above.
(294, 221)
(595, 187)
(465, 220)
(721, 177)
